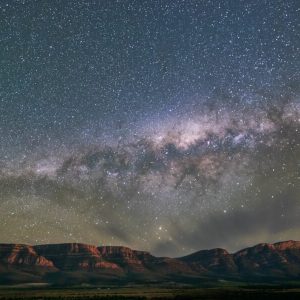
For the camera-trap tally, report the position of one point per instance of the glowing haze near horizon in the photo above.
(167, 126)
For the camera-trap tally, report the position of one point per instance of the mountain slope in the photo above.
(76, 263)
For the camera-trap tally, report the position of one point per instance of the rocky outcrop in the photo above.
(18, 255)
(75, 256)
(287, 245)
(128, 259)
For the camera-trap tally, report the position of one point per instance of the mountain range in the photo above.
(75, 263)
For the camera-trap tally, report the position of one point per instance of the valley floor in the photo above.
(139, 293)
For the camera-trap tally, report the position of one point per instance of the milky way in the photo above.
(167, 126)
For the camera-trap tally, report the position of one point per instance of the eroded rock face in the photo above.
(214, 260)
(18, 254)
(287, 245)
(277, 260)
(75, 256)
(125, 257)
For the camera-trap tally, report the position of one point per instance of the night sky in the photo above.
(166, 126)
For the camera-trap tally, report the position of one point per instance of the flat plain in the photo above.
(144, 292)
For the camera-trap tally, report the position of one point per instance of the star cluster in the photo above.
(168, 126)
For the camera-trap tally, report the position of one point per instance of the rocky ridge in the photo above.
(78, 263)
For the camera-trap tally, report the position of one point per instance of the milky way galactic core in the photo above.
(167, 126)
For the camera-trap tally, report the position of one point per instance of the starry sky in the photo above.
(163, 125)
